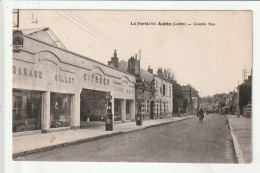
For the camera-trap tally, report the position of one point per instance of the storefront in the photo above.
(92, 107)
(61, 108)
(27, 110)
(55, 89)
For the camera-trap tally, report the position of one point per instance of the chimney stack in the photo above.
(150, 70)
(114, 60)
(134, 65)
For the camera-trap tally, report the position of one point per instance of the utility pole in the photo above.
(16, 25)
(139, 54)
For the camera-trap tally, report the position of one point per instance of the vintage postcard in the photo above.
(132, 86)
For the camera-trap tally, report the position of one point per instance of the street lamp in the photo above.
(109, 115)
(139, 118)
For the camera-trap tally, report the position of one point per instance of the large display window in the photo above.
(27, 110)
(60, 110)
(92, 105)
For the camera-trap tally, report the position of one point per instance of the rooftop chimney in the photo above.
(150, 70)
(114, 60)
(134, 66)
(160, 73)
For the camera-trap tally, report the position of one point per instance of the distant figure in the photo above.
(201, 115)
(238, 113)
(179, 112)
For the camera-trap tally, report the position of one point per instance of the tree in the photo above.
(166, 73)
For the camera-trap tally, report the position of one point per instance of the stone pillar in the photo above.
(46, 118)
(75, 111)
(123, 110)
(113, 107)
(132, 109)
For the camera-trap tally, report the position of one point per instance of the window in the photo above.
(147, 107)
(60, 110)
(164, 90)
(27, 106)
(104, 81)
(96, 79)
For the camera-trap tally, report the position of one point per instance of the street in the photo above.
(186, 141)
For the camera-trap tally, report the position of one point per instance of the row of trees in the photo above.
(216, 101)
(166, 73)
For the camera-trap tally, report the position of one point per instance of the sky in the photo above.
(210, 57)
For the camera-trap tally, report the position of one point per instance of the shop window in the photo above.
(104, 81)
(27, 106)
(96, 79)
(60, 110)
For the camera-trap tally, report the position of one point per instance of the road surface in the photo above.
(184, 141)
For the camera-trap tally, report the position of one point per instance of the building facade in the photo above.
(191, 99)
(56, 89)
(155, 92)
(244, 97)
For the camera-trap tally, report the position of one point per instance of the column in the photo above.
(123, 110)
(75, 111)
(132, 109)
(113, 108)
(46, 118)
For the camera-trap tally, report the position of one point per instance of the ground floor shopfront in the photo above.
(157, 108)
(33, 109)
(154, 109)
(50, 94)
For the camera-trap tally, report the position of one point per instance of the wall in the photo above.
(44, 67)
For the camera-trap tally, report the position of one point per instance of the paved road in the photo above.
(184, 141)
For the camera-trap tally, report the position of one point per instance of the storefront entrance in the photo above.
(128, 111)
(92, 107)
(117, 110)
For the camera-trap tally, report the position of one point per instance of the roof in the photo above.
(194, 94)
(28, 36)
(185, 88)
(147, 76)
(123, 65)
(247, 82)
(44, 34)
(33, 30)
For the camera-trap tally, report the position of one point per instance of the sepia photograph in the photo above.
(146, 86)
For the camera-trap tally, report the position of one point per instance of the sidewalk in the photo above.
(241, 132)
(23, 145)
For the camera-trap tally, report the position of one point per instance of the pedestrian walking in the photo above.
(201, 115)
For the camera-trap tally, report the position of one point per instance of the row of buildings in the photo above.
(238, 102)
(56, 89)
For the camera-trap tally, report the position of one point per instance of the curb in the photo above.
(20, 154)
(238, 152)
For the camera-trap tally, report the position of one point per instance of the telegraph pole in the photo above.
(16, 25)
